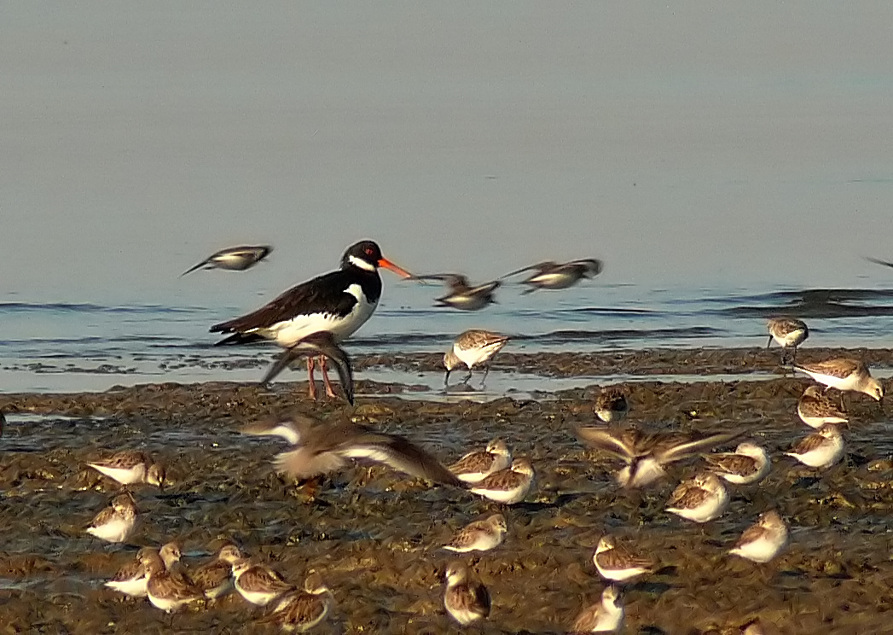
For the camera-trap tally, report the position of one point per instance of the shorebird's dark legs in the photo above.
(486, 372)
(467, 377)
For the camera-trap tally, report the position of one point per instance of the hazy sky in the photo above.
(682, 142)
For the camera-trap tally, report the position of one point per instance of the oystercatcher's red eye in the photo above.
(368, 251)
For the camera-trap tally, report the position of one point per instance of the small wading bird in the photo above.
(258, 583)
(462, 295)
(605, 616)
(789, 333)
(816, 410)
(508, 486)
(327, 447)
(472, 348)
(701, 498)
(233, 258)
(300, 611)
(474, 467)
(763, 540)
(646, 455)
(116, 522)
(559, 275)
(749, 463)
(317, 344)
(465, 598)
(480, 535)
(614, 562)
(611, 404)
(821, 449)
(338, 302)
(128, 467)
(844, 374)
(214, 578)
(167, 585)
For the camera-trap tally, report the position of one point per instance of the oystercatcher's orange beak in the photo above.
(387, 264)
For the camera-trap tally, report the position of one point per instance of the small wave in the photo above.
(806, 303)
(68, 307)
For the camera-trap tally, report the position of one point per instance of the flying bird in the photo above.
(462, 294)
(317, 344)
(647, 454)
(339, 303)
(233, 258)
(323, 447)
(559, 275)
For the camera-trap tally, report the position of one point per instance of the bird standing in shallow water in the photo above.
(317, 344)
(338, 303)
(472, 348)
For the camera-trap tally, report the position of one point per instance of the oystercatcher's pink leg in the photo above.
(310, 367)
(330, 391)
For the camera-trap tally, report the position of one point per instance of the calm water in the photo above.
(93, 347)
(717, 159)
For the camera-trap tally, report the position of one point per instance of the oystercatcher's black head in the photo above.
(366, 255)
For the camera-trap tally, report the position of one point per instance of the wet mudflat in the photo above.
(374, 534)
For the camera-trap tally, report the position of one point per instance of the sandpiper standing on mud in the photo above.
(472, 348)
(789, 333)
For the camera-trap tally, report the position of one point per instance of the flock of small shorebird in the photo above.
(318, 448)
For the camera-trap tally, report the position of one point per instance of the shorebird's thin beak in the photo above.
(387, 264)
(769, 343)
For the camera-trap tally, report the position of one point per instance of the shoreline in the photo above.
(374, 534)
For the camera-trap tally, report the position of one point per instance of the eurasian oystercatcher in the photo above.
(338, 303)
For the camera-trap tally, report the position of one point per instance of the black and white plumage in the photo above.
(317, 344)
(324, 447)
(338, 303)
(646, 455)
(462, 294)
(233, 258)
(559, 275)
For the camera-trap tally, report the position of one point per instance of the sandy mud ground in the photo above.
(374, 534)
